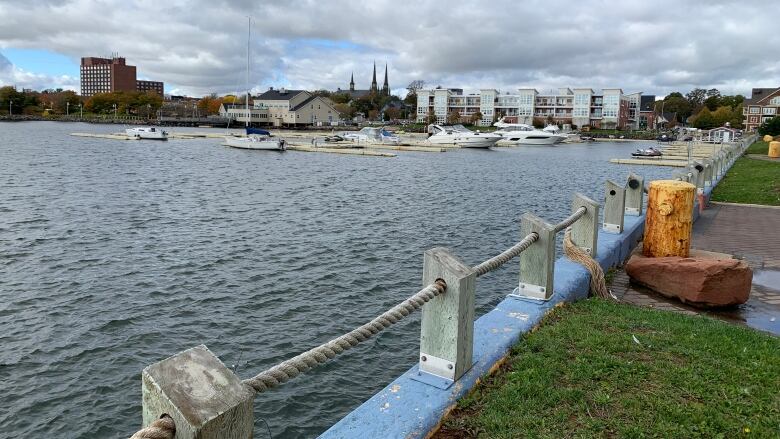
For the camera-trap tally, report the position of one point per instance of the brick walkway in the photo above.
(751, 233)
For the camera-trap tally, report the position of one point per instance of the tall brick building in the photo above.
(106, 75)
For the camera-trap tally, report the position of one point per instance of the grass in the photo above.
(582, 374)
(751, 181)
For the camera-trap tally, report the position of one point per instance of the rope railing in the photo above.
(312, 358)
(163, 428)
(507, 255)
(571, 219)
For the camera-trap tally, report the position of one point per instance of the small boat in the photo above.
(147, 133)
(649, 152)
(374, 136)
(256, 139)
(460, 136)
(522, 134)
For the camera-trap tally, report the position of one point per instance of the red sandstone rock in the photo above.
(702, 279)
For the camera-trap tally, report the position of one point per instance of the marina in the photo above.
(170, 245)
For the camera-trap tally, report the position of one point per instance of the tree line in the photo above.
(703, 109)
(60, 102)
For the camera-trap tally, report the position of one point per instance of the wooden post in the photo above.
(774, 149)
(669, 219)
(585, 231)
(537, 262)
(635, 194)
(614, 207)
(204, 398)
(447, 331)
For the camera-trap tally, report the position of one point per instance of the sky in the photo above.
(199, 47)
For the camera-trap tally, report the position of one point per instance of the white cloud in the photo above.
(12, 75)
(198, 47)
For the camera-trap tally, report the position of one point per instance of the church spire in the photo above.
(386, 86)
(352, 82)
(373, 81)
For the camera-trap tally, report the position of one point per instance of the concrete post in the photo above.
(614, 207)
(707, 173)
(447, 331)
(537, 262)
(585, 231)
(204, 398)
(699, 168)
(635, 194)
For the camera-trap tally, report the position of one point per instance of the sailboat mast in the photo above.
(248, 39)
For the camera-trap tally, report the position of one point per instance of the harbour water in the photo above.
(117, 254)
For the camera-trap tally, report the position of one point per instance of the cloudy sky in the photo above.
(199, 46)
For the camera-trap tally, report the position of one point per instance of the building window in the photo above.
(768, 110)
(775, 101)
(754, 110)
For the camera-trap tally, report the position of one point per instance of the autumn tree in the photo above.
(476, 117)
(431, 118)
(392, 113)
(453, 117)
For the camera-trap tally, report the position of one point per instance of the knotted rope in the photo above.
(162, 428)
(598, 286)
(507, 255)
(299, 364)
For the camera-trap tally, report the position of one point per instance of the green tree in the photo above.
(694, 97)
(704, 119)
(713, 102)
(771, 127)
(476, 117)
(722, 115)
(66, 101)
(10, 98)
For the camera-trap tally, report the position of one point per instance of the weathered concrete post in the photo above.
(669, 219)
(204, 398)
(699, 168)
(614, 207)
(585, 231)
(635, 194)
(447, 333)
(537, 262)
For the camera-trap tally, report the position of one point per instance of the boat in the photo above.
(147, 133)
(256, 138)
(460, 136)
(375, 136)
(649, 152)
(522, 134)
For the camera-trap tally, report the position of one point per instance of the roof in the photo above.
(309, 100)
(759, 94)
(277, 95)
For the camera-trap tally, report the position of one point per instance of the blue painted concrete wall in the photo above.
(407, 408)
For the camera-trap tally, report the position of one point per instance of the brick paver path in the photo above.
(748, 232)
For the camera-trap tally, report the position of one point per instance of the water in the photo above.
(115, 255)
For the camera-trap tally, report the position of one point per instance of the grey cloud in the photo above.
(199, 46)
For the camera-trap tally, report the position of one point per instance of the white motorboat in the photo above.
(523, 134)
(256, 139)
(374, 136)
(460, 136)
(147, 133)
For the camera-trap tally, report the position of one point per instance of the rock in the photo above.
(704, 279)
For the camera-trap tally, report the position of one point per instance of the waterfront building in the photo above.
(279, 107)
(107, 75)
(580, 106)
(764, 104)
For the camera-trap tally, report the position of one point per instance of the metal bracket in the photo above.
(530, 290)
(632, 211)
(612, 228)
(435, 371)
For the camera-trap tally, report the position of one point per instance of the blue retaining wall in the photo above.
(410, 409)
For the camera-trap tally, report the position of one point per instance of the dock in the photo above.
(105, 136)
(350, 151)
(654, 162)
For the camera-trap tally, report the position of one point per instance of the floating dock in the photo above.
(654, 162)
(351, 151)
(105, 136)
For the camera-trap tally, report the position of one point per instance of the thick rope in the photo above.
(571, 219)
(299, 364)
(163, 428)
(598, 286)
(497, 261)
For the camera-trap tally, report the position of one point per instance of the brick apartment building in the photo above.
(106, 75)
(763, 105)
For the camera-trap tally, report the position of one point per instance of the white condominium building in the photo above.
(580, 106)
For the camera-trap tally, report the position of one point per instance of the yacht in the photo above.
(460, 136)
(371, 135)
(147, 133)
(256, 139)
(522, 134)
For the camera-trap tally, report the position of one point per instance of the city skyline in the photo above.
(200, 49)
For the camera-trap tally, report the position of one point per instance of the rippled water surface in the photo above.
(115, 255)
